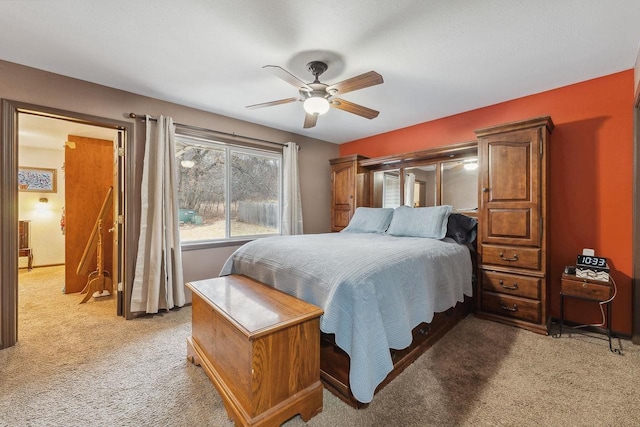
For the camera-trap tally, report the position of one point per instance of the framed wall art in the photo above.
(38, 180)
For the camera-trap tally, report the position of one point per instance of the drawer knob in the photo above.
(514, 258)
(504, 307)
(511, 288)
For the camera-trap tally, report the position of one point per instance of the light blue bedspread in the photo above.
(374, 288)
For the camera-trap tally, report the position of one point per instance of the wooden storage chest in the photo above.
(259, 347)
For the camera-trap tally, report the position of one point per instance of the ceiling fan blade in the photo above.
(350, 107)
(354, 83)
(310, 120)
(272, 103)
(287, 77)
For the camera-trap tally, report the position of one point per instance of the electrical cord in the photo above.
(602, 303)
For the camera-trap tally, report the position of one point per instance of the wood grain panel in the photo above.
(283, 367)
(203, 323)
(234, 360)
(511, 256)
(583, 289)
(340, 218)
(511, 186)
(87, 177)
(343, 177)
(509, 223)
(519, 308)
(349, 189)
(513, 284)
(512, 183)
(262, 379)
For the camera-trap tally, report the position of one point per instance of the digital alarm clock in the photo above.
(592, 267)
(593, 262)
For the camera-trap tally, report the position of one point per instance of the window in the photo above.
(391, 190)
(226, 192)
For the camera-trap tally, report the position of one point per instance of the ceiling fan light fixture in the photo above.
(318, 97)
(470, 165)
(316, 105)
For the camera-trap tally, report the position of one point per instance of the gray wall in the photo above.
(38, 87)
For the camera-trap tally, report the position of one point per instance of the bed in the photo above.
(377, 281)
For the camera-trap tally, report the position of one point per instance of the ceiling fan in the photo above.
(319, 97)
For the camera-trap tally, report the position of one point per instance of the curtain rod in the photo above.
(196, 128)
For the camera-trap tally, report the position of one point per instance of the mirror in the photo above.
(460, 184)
(447, 182)
(420, 186)
(386, 189)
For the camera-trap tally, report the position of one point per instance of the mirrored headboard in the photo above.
(440, 176)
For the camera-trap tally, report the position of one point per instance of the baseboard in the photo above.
(41, 266)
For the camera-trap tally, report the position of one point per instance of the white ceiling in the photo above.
(437, 57)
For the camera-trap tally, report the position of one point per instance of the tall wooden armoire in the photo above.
(513, 243)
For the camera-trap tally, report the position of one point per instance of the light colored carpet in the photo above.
(81, 365)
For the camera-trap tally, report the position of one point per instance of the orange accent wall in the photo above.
(591, 174)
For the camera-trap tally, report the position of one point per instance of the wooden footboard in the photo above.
(335, 363)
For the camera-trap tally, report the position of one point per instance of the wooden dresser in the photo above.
(349, 189)
(260, 347)
(514, 223)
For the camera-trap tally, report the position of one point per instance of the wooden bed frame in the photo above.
(335, 363)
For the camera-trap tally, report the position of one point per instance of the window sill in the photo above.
(211, 244)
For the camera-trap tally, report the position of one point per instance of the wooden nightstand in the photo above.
(572, 286)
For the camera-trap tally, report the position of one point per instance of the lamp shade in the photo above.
(316, 105)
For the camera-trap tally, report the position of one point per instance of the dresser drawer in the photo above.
(512, 284)
(583, 289)
(509, 306)
(512, 256)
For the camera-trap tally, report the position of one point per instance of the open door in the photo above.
(88, 176)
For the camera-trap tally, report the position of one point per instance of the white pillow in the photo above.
(370, 220)
(420, 222)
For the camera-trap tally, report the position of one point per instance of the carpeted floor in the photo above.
(81, 365)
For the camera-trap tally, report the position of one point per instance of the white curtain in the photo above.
(409, 189)
(291, 201)
(158, 282)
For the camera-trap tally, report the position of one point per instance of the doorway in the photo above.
(57, 215)
(15, 115)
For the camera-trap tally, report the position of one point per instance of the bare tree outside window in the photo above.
(252, 180)
(255, 189)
